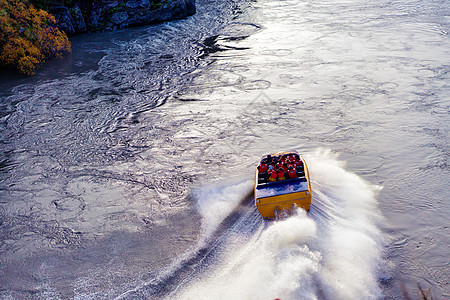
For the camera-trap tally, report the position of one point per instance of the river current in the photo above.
(126, 169)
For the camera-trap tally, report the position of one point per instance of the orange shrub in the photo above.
(28, 36)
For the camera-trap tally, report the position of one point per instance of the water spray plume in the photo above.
(333, 252)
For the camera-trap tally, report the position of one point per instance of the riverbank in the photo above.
(37, 30)
(108, 15)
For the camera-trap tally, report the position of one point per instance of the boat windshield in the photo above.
(281, 187)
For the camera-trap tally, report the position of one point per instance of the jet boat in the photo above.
(281, 184)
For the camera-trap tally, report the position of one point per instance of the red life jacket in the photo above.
(285, 168)
(273, 176)
(292, 174)
(262, 168)
(281, 175)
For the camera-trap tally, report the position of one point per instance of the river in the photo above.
(126, 168)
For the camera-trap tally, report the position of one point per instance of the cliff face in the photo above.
(106, 15)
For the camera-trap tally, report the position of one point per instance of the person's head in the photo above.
(290, 168)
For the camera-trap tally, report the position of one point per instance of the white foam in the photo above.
(350, 241)
(276, 265)
(216, 201)
(332, 253)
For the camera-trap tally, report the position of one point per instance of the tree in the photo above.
(28, 36)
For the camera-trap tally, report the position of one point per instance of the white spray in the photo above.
(216, 201)
(331, 253)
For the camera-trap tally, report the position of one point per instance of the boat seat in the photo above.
(300, 174)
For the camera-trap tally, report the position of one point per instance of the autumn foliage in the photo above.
(28, 36)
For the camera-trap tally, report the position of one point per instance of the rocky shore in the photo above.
(79, 16)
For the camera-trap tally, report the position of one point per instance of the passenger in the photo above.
(281, 174)
(272, 176)
(294, 163)
(269, 159)
(262, 168)
(285, 167)
(291, 172)
(279, 165)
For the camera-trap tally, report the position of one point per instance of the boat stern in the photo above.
(277, 199)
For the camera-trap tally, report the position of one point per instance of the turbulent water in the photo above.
(126, 169)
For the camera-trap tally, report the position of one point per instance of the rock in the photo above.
(64, 19)
(79, 24)
(172, 10)
(190, 7)
(93, 21)
(107, 15)
(145, 3)
(111, 4)
(178, 9)
(119, 17)
(111, 28)
(133, 3)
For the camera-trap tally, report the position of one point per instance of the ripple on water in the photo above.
(255, 85)
(237, 29)
(276, 52)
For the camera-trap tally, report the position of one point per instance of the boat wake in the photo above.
(334, 252)
(217, 201)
